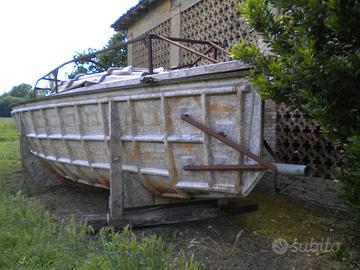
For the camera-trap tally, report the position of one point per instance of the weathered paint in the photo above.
(156, 142)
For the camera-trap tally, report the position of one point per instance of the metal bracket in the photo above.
(263, 164)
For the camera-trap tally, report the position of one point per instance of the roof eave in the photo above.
(131, 15)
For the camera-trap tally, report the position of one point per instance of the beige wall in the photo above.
(151, 19)
(165, 10)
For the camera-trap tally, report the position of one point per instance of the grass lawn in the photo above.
(31, 239)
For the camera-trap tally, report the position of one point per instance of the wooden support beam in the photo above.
(170, 214)
(116, 200)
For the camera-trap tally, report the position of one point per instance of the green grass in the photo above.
(31, 239)
(278, 217)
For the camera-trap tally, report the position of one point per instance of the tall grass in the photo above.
(30, 239)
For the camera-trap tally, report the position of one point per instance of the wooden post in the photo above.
(116, 201)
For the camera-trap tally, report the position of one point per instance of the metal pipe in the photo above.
(292, 169)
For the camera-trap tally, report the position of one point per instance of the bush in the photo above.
(312, 64)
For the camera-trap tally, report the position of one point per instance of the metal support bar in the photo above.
(271, 152)
(150, 54)
(55, 73)
(148, 39)
(185, 40)
(254, 167)
(218, 47)
(230, 143)
(188, 49)
(199, 58)
(285, 169)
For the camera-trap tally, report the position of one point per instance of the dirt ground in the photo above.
(240, 242)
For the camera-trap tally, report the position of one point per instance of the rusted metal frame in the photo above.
(271, 151)
(40, 88)
(215, 53)
(180, 67)
(185, 40)
(55, 73)
(148, 38)
(213, 44)
(194, 63)
(89, 56)
(150, 54)
(212, 168)
(50, 79)
(228, 142)
(216, 46)
(199, 58)
(97, 63)
(188, 49)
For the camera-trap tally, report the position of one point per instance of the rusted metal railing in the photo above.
(148, 39)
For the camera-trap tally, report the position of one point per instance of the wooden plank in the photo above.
(116, 200)
(170, 214)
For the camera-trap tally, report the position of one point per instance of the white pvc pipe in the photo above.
(292, 169)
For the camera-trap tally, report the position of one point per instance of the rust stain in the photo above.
(187, 145)
(140, 120)
(175, 100)
(137, 152)
(170, 124)
(148, 156)
(160, 185)
(156, 120)
(197, 100)
(127, 156)
(49, 166)
(83, 175)
(101, 179)
(217, 107)
(157, 156)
